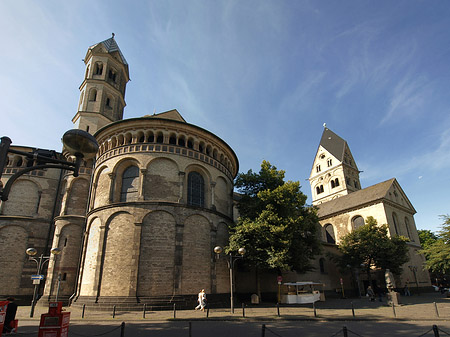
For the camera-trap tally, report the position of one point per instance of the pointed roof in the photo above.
(333, 144)
(361, 198)
(171, 114)
(111, 47)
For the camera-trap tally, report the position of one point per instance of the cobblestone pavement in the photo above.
(423, 307)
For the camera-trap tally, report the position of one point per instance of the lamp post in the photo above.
(78, 143)
(40, 261)
(414, 270)
(231, 260)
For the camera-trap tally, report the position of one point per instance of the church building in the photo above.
(140, 222)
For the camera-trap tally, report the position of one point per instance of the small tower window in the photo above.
(329, 162)
(319, 189)
(98, 70)
(108, 102)
(112, 75)
(334, 183)
(318, 168)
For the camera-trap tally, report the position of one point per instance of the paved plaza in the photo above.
(415, 316)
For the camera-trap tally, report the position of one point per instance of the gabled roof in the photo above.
(362, 197)
(333, 144)
(171, 114)
(111, 47)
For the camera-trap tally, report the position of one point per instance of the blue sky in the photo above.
(262, 75)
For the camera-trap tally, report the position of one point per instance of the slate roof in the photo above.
(111, 46)
(333, 144)
(355, 199)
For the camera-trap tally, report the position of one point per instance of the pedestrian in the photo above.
(10, 315)
(406, 291)
(201, 300)
(371, 294)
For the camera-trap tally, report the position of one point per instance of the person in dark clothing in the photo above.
(10, 315)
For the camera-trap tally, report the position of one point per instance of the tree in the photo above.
(426, 237)
(370, 246)
(437, 254)
(277, 229)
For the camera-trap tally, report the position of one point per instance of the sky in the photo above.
(263, 75)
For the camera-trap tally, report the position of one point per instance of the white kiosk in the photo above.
(302, 292)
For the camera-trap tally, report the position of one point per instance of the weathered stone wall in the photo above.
(119, 266)
(13, 243)
(157, 255)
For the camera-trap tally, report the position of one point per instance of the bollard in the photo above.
(190, 329)
(393, 309)
(243, 310)
(114, 311)
(436, 331)
(207, 310)
(84, 308)
(344, 330)
(278, 309)
(353, 310)
(436, 309)
(314, 307)
(263, 330)
(174, 311)
(122, 329)
(145, 307)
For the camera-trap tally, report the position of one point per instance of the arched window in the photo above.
(98, 70)
(329, 233)
(322, 265)
(336, 182)
(190, 144)
(181, 141)
(319, 189)
(196, 189)
(357, 221)
(130, 184)
(407, 229)
(93, 95)
(173, 139)
(160, 138)
(394, 217)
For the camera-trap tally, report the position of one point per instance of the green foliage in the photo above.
(426, 237)
(275, 227)
(370, 245)
(438, 253)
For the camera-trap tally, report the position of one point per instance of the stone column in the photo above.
(181, 176)
(213, 191)
(112, 177)
(142, 176)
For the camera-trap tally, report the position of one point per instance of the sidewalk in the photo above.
(429, 306)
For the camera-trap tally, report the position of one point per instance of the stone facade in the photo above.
(140, 221)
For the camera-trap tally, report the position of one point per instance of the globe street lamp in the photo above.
(232, 259)
(78, 143)
(40, 261)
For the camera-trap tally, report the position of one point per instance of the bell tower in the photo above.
(334, 172)
(102, 93)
